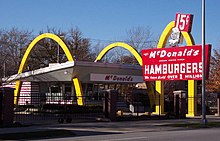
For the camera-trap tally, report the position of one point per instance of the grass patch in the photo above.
(37, 135)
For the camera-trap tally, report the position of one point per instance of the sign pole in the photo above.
(204, 120)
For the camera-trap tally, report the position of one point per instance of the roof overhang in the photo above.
(71, 69)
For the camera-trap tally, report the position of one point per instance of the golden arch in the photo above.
(136, 55)
(27, 53)
(120, 44)
(191, 83)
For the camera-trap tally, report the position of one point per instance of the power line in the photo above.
(111, 41)
(127, 41)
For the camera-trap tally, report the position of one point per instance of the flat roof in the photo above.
(68, 70)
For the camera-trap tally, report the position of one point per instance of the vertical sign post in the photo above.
(204, 120)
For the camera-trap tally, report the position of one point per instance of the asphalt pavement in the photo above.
(105, 130)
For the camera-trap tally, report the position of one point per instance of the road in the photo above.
(207, 134)
(148, 130)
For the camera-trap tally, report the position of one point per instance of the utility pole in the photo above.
(204, 120)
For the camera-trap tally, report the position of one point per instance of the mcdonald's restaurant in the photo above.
(56, 82)
(83, 83)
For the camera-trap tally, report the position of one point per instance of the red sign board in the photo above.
(179, 63)
(184, 22)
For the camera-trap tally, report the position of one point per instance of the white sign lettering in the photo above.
(115, 78)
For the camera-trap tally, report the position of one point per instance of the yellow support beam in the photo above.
(192, 98)
(159, 109)
(78, 90)
(192, 84)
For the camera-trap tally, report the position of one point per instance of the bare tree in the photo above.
(11, 43)
(79, 46)
(48, 51)
(140, 37)
(97, 47)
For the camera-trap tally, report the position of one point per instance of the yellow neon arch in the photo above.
(28, 51)
(120, 44)
(136, 55)
(36, 40)
(191, 83)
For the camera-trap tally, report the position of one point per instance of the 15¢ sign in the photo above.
(184, 22)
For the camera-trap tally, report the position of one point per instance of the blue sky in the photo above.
(108, 19)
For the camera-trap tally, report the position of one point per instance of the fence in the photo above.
(211, 104)
(53, 108)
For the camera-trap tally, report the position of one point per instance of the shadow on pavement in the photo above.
(50, 134)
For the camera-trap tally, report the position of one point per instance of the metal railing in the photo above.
(38, 108)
